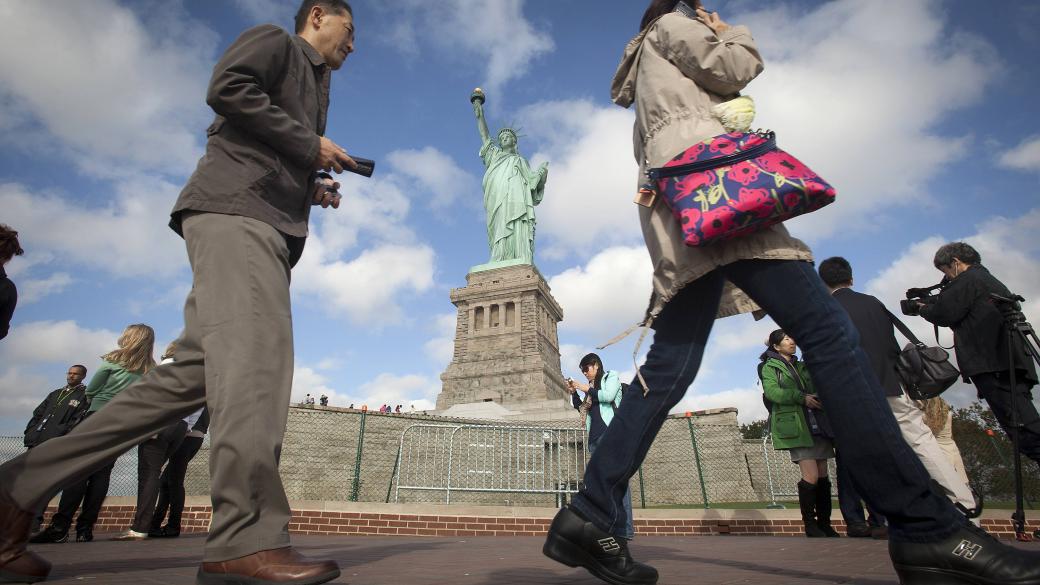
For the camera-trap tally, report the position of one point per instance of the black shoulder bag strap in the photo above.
(909, 335)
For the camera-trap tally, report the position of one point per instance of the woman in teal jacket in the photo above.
(797, 423)
(602, 397)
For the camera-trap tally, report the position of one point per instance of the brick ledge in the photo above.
(361, 518)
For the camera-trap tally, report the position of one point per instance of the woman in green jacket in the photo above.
(797, 423)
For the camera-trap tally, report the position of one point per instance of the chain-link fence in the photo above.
(335, 454)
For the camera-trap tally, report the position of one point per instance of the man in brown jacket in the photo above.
(243, 216)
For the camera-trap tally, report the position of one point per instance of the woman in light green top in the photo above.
(120, 368)
(123, 366)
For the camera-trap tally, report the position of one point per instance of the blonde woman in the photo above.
(119, 368)
(938, 416)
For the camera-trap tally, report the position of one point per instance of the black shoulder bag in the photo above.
(926, 372)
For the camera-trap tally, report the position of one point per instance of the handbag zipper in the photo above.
(727, 160)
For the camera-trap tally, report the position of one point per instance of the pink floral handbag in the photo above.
(735, 184)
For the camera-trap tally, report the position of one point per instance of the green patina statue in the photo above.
(511, 191)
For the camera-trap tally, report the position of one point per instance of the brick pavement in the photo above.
(501, 560)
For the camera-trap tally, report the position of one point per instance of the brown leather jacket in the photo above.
(270, 91)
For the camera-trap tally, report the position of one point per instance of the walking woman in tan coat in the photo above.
(684, 61)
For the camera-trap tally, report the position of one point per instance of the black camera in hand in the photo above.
(917, 296)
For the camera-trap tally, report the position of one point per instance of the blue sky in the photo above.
(922, 113)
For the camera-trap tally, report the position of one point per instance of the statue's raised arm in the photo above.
(477, 99)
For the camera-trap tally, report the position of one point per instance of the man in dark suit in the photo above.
(877, 338)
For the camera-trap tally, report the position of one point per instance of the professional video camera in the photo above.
(910, 306)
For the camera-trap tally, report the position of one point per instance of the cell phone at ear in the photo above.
(684, 8)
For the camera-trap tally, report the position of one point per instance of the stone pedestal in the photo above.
(506, 346)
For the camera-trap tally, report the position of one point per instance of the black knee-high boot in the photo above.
(824, 506)
(807, 502)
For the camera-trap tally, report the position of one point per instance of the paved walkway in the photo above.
(502, 560)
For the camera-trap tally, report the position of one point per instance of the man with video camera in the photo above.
(965, 304)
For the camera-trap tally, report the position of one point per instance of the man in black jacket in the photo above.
(57, 414)
(876, 328)
(980, 339)
(60, 411)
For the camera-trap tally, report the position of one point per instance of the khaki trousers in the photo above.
(923, 442)
(235, 356)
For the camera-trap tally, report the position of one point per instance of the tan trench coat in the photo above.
(674, 72)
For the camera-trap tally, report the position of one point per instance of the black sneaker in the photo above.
(968, 557)
(50, 535)
(85, 535)
(575, 542)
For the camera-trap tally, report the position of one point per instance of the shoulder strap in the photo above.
(909, 335)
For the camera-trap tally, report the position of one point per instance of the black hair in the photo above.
(339, 6)
(659, 8)
(836, 271)
(956, 251)
(774, 338)
(592, 359)
(9, 246)
(80, 366)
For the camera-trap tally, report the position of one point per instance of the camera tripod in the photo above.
(1017, 327)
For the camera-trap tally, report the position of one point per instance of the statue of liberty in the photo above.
(511, 191)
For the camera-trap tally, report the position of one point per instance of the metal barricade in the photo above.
(783, 475)
(489, 459)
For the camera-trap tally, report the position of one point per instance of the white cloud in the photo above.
(364, 288)
(128, 237)
(494, 32)
(1024, 157)
(431, 171)
(861, 103)
(592, 176)
(21, 390)
(607, 295)
(441, 348)
(55, 342)
(406, 390)
(115, 95)
(31, 291)
(373, 208)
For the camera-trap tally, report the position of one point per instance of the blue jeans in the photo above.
(850, 501)
(628, 530)
(888, 473)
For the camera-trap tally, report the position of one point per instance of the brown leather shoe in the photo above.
(18, 565)
(280, 565)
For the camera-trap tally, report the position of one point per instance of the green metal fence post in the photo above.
(697, 456)
(642, 490)
(390, 486)
(355, 489)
